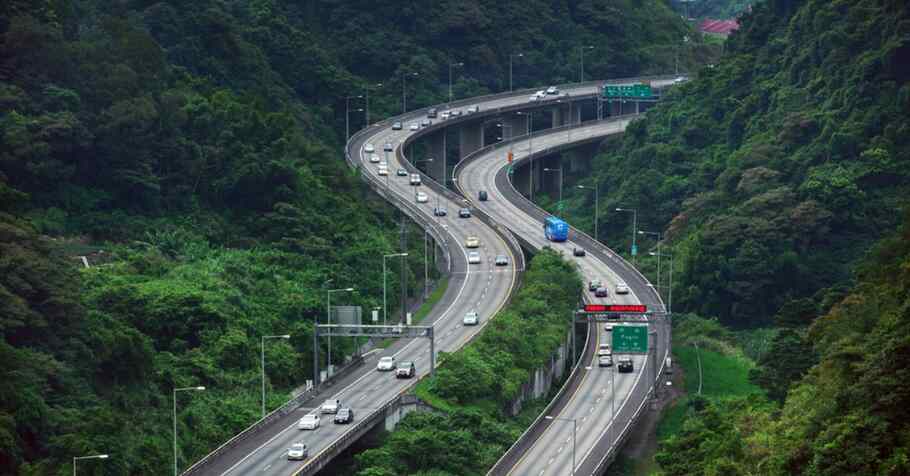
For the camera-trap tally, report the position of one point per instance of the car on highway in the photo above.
(330, 406)
(414, 126)
(426, 123)
(415, 179)
(464, 213)
(578, 251)
(470, 318)
(608, 327)
(604, 360)
(439, 211)
(374, 159)
(369, 148)
(388, 147)
(472, 242)
(482, 195)
(298, 452)
(402, 172)
(600, 292)
(624, 365)
(680, 79)
(473, 257)
(594, 284)
(309, 421)
(383, 170)
(396, 126)
(385, 364)
(431, 112)
(454, 113)
(444, 114)
(621, 288)
(422, 197)
(472, 109)
(345, 415)
(552, 90)
(501, 260)
(604, 349)
(405, 370)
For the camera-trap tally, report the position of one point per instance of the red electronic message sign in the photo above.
(629, 308)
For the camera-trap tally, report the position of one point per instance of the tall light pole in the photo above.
(404, 91)
(262, 364)
(596, 189)
(385, 306)
(670, 293)
(426, 267)
(184, 389)
(582, 50)
(574, 430)
(634, 213)
(657, 234)
(367, 100)
(328, 319)
(452, 65)
(516, 55)
(530, 152)
(559, 171)
(347, 117)
(77, 458)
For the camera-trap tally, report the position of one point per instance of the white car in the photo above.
(415, 179)
(414, 126)
(384, 163)
(470, 318)
(374, 158)
(422, 197)
(473, 109)
(386, 364)
(472, 242)
(608, 327)
(308, 422)
(383, 170)
(444, 114)
(298, 452)
(552, 90)
(534, 98)
(369, 148)
(622, 289)
(473, 257)
(330, 406)
(388, 147)
(604, 349)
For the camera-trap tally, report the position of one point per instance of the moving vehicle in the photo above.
(415, 179)
(298, 452)
(472, 109)
(369, 148)
(386, 364)
(388, 147)
(309, 421)
(594, 284)
(604, 349)
(406, 370)
(383, 170)
(482, 195)
(604, 360)
(464, 213)
(414, 126)
(330, 406)
(501, 260)
(625, 366)
(473, 257)
(578, 252)
(454, 113)
(422, 197)
(621, 288)
(374, 159)
(555, 229)
(431, 113)
(444, 114)
(345, 415)
(426, 123)
(439, 211)
(396, 126)
(402, 172)
(608, 327)
(600, 292)
(472, 242)
(552, 90)
(470, 318)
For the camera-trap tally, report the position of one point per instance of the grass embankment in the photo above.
(473, 388)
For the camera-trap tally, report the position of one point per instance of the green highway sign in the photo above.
(630, 339)
(642, 91)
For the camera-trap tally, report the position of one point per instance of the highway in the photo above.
(480, 287)
(602, 389)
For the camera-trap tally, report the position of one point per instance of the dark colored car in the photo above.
(578, 251)
(345, 415)
(482, 195)
(431, 112)
(625, 366)
(464, 213)
(440, 211)
(401, 173)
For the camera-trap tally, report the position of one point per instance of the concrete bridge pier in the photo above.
(514, 125)
(437, 144)
(470, 138)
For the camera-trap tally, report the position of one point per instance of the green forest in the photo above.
(192, 151)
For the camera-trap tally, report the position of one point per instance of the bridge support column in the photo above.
(575, 112)
(470, 138)
(514, 125)
(437, 168)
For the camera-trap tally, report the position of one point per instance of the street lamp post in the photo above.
(670, 292)
(582, 50)
(596, 189)
(262, 362)
(77, 458)
(328, 320)
(385, 306)
(634, 213)
(574, 430)
(452, 65)
(347, 117)
(404, 92)
(657, 234)
(367, 100)
(559, 171)
(184, 389)
(517, 55)
(530, 151)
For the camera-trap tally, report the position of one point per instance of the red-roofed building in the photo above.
(718, 27)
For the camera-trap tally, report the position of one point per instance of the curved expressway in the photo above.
(601, 391)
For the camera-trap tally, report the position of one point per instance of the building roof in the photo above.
(722, 27)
